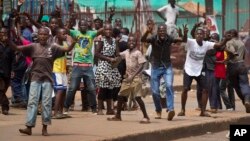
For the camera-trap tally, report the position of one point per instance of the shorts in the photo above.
(60, 81)
(134, 88)
(187, 81)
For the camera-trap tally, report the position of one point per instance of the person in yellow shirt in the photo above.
(59, 75)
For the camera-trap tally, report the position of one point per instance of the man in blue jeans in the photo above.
(161, 67)
(82, 65)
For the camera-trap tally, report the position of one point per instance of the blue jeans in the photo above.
(168, 76)
(87, 74)
(37, 89)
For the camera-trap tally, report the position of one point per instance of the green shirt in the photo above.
(82, 50)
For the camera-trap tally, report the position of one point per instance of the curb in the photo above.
(186, 131)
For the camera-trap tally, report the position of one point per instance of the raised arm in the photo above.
(117, 50)
(1, 16)
(40, 16)
(112, 13)
(184, 36)
(20, 48)
(19, 34)
(159, 13)
(32, 20)
(72, 43)
(72, 21)
(145, 37)
(58, 14)
(221, 45)
(19, 5)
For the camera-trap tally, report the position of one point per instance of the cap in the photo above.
(45, 18)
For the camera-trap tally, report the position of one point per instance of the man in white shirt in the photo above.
(169, 13)
(196, 50)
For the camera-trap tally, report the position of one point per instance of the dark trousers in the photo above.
(212, 87)
(222, 83)
(17, 85)
(238, 77)
(4, 84)
(85, 102)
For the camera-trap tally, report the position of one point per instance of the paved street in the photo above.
(89, 127)
(209, 136)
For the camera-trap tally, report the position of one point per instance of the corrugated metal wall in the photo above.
(231, 13)
(33, 7)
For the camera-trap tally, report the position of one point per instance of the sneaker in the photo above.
(66, 110)
(171, 115)
(230, 109)
(66, 116)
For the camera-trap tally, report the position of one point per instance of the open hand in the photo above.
(179, 31)
(150, 29)
(112, 11)
(185, 29)
(42, 2)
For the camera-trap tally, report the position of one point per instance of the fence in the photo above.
(235, 13)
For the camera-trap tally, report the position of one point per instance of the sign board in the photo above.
(212, 24)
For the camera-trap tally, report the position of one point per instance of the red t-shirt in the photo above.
(220, 68)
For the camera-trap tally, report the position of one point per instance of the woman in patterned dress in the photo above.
(107, 75)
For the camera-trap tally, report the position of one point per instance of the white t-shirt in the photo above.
(170, 13)
(195, 56)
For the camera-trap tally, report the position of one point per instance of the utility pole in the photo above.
(237, 15)
(249, 18)
(223, 15)
(106, 7)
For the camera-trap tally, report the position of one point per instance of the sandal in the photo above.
(114, 119)
(205, 114)
(145, 121)
(58, 116)
(182, 113)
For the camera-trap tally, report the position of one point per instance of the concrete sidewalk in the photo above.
(85, 126)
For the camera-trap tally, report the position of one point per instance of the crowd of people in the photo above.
(45, 62)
